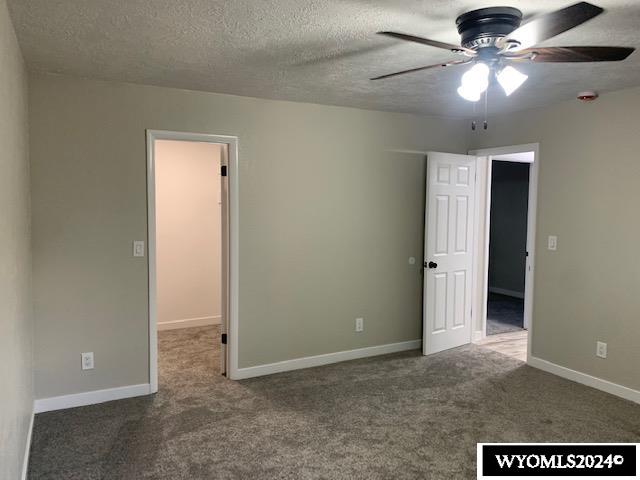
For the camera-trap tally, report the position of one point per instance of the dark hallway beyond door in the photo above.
(507, 246)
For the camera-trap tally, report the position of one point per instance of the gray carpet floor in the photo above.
(400, 416)
(504, 314)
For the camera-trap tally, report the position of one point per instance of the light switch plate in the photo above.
(359, 324)
(138, 248)
(552, 242)
(601, 349)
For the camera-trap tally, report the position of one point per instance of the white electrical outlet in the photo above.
(601, 349)
(87, 360)
(552, 242)
(359, 324)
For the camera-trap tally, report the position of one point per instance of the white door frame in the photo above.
(481, 260)
(233, 257)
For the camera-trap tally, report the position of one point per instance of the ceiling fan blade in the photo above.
(550, 24)
(576, 54)
(431, 43)
(418, 69)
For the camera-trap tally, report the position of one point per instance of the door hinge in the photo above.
(223, 338)
(223, 170)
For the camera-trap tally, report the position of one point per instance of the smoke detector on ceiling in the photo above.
(587, 96)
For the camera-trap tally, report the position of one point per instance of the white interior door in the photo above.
(448, 262)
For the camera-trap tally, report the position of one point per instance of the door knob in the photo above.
(430, 265)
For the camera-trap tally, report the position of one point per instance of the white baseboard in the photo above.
(27, 448)
(508, 293)
(318, 360)
(90, 398)
(189, 322)
(585, 379)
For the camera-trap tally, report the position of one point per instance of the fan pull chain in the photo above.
(486, 101)
(473, 123)
(485, 123)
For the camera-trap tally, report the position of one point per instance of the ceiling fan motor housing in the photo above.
(482, 28)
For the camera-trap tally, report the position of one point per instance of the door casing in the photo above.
(230, 254)
(481, 253)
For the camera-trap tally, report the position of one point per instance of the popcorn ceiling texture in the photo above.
(319, 51)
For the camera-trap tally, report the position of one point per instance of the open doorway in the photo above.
(508, 207)
(188, 259)
(188, 234)
(192, 209)
(505, 248)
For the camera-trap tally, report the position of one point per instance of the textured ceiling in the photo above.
(320, 51)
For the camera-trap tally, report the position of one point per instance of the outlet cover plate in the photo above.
(87, 360)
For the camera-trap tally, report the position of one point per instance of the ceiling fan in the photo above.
(492, 39)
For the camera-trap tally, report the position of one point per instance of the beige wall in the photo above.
(16, 329)
(188, 231)
(588, 196)
(328, 219)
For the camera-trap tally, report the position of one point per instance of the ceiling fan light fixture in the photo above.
(474, 82)
(493, 37)
(477, 77)
(510, 79)
(470, 94)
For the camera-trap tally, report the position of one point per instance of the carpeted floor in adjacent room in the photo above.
(504, 314)
(397, 416)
